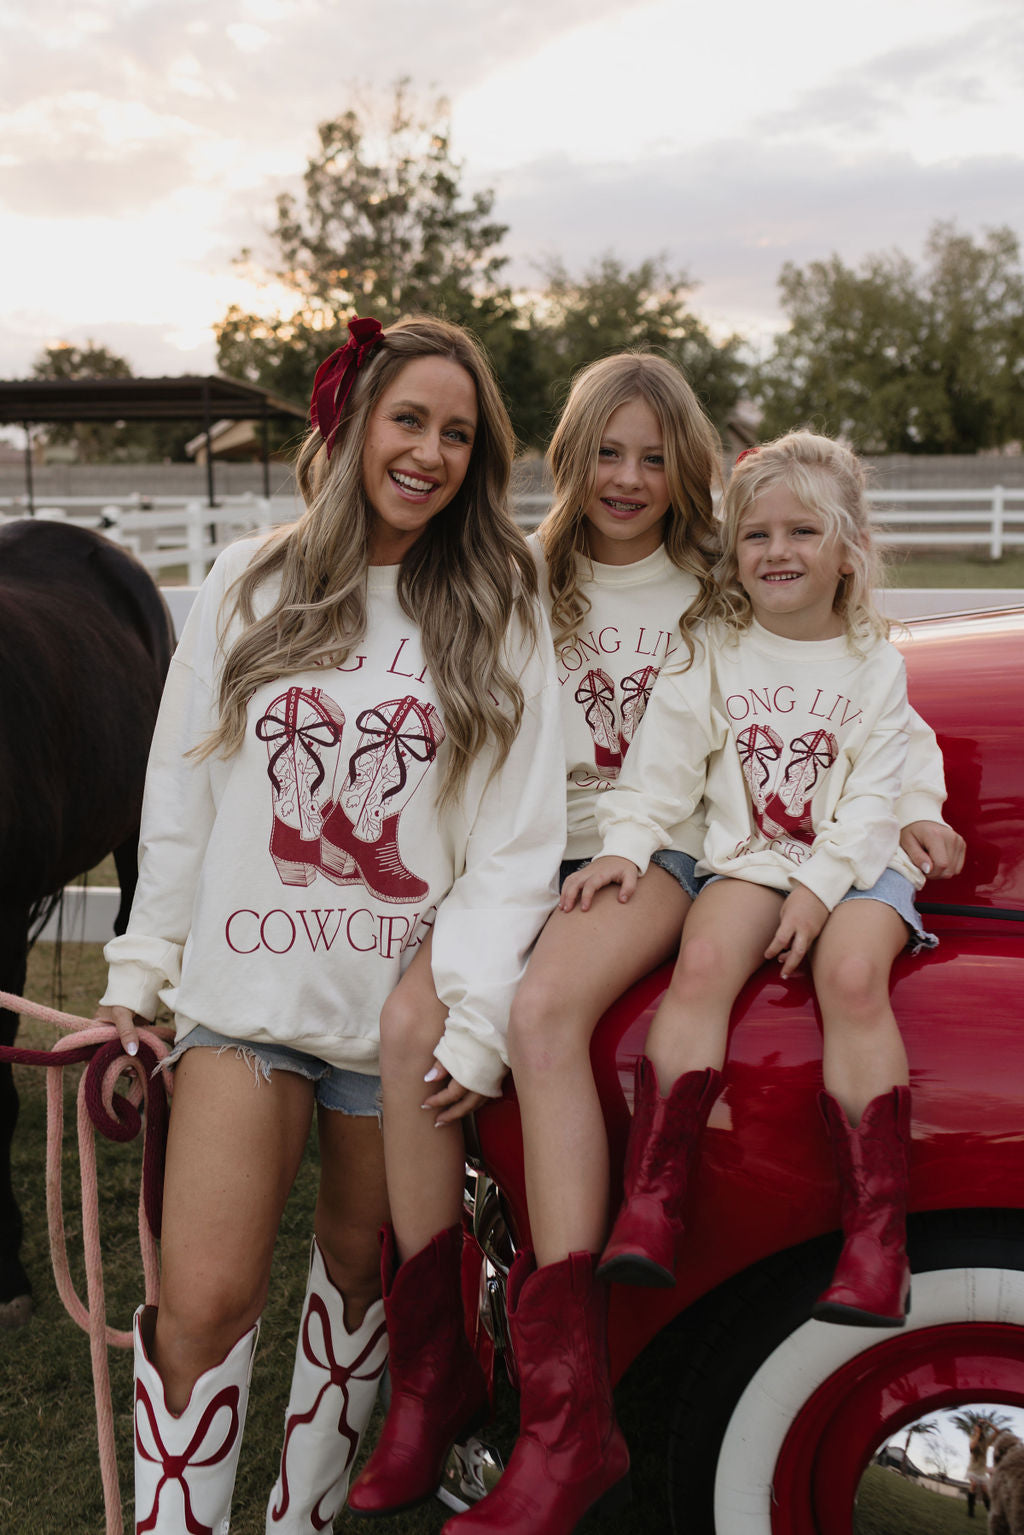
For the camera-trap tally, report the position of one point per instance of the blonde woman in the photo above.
(357, 740)
(791, 726)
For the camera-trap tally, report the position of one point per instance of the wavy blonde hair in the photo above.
(827, 478)
(464, 582)
(692, 467)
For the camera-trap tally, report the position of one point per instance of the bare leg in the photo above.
(425, 1165)
(724, 939)
(582, 962)
(851, 962)
(352, 1205)
(232, 1154)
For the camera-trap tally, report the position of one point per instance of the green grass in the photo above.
(49, 1468)
(953, 569)
(890, 1504)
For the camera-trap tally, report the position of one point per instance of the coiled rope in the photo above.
(119, 1116)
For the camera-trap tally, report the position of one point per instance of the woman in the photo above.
(350, 702)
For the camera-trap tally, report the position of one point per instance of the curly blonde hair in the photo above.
(464, 582)
(827, 478)
(692, 468)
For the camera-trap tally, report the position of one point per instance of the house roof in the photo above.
(188, 398)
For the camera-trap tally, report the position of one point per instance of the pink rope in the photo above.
(118, 1116)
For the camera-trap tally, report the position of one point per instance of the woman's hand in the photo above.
(126, 1023)
(585, 883)
(935, 848)
(801, 919)
(454, 1101)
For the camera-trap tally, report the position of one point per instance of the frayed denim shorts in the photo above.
(892, 889)
(681, 866)
(347, 1092)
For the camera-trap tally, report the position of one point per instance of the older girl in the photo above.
(357, 738)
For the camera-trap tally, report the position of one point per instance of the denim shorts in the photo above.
(680, 865)
(892, 889)
(347, 1092)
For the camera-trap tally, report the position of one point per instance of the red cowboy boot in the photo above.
(660, 1158)
(438, 1390)
(334, 1387)
(871, 1283)
(399, 741)
(570, 1459)
(185, 1462)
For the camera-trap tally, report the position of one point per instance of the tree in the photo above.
(968, 1419)
(611, 308)
(106, 442)
(924, 1430)
(900, 358)
(382, 229)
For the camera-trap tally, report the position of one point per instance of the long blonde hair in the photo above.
(827, 478)
(692, 468)
(464, 582)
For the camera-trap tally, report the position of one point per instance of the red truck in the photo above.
(775, 1416)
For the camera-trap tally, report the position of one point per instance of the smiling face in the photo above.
(419, 440)
(788, 568)
(630, 500)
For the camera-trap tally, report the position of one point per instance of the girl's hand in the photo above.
(801, 919)
(585, 883)
(936, 849)
(125, 1022)
(455, 1101)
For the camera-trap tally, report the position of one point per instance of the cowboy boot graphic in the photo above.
(760, 753)
(596, 693)
(302, 731)
(787, 813)
(636, 695)
(399, 741)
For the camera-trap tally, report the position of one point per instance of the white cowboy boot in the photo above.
(596, 693)
(334, 1387)
(185, 1463)
(400, 739)
(636, 695)
(302, 730)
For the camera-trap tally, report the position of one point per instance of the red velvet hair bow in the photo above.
(746, 454)
(336, 375)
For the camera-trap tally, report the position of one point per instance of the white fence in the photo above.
(167, 533)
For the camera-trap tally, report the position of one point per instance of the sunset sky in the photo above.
(142, 143)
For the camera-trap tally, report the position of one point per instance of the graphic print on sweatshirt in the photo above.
(613, 728)
(346, 830)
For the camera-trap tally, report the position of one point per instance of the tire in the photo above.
(776, 1416)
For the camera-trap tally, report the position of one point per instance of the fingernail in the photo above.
(926, 867)
(132, 1047)
(433, 1074)
(438, 1124)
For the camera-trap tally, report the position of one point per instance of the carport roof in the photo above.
(188, 398)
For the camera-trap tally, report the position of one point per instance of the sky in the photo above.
(951, 1443)
(143, 142)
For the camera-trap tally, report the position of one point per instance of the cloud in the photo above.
(731, 214)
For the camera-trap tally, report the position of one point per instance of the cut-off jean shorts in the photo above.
(892, 889)
(347, 1092)
(681, 866)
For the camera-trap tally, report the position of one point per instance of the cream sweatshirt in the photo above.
(798, 751)
(282, 891)
(605, 676)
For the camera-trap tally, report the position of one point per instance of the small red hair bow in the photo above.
(746, 454)
(336, 375)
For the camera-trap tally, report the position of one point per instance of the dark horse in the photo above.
(85, 641)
